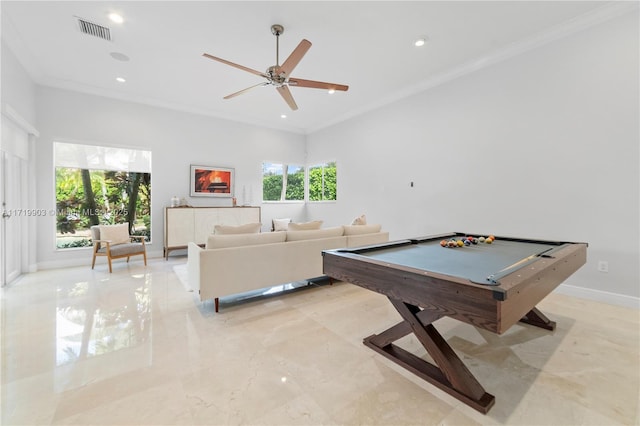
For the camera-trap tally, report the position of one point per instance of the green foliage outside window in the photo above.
(277, 176)
(92, 197)
(323, 182)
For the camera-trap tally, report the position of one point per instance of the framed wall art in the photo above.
(209, 181)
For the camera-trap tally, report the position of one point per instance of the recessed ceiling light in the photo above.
(420, 41)
(331, 91)
(283, 115)
(118, 19)
(120, 80)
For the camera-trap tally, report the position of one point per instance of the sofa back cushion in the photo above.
(305, 226)
(247, 228)
(315, 234)
(239, 240)
(361, 229)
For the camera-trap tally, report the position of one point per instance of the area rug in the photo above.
(183, 275)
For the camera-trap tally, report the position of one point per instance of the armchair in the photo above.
(114, 242)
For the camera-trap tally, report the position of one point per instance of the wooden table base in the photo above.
(449, 372)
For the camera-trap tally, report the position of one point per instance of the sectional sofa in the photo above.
(237, 263)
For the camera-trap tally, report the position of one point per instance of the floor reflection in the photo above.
(95, 320)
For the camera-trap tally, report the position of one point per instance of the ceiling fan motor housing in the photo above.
(274, 75)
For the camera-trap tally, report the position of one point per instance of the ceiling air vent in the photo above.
(95, 30)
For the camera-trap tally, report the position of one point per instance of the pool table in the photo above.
(491, 286)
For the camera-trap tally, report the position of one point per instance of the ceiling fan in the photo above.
(279, 75)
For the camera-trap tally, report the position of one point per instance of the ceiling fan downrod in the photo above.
(276, 30)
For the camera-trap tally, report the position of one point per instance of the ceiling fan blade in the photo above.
(233, 95)
(224, 61)
(286, 95)
(299, 82)
(295, 57)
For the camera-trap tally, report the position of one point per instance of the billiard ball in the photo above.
(460, 243)
(492, 237)
(451, 244)
(443, 243)
(481, 239)
(488, 240)
(469, 238)
(475, 241)
(467, 242)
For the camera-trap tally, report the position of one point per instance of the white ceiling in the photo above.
(366, 45)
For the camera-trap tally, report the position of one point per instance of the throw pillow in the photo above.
(280, 224)
(305, 226)
(247, 228)
(361, 229)
(117, 234)
(360, 220)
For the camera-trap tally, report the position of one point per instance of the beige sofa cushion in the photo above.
(239, 240)
(305, 226)
(248, 228)
(315, 234)
(117, 234)
(361, 229)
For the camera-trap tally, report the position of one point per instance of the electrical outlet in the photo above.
(603, 266)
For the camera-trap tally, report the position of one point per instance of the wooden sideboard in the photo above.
(185, 224)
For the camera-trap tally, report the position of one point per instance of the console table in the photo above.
(185, 224)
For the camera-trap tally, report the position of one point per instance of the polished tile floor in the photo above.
(134, 347)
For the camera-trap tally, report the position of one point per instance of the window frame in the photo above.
(308, 180)
(105, 151)
(281, 164)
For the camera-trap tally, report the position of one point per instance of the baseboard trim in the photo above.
(600, 296)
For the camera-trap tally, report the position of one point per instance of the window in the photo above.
(323, 182)
(100, 185)
(282, 182)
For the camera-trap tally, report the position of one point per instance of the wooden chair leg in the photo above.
(144, 253)
(93, 262)
(110, 268)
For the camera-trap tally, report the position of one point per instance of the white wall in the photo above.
(18, 91)
(176, 140)
(543, 145)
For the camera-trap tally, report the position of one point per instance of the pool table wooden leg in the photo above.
(449, 374)
(537, 318)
